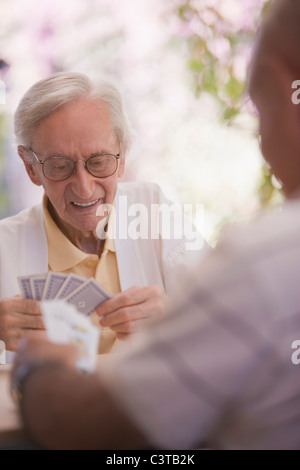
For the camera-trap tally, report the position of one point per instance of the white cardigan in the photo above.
(24, 250)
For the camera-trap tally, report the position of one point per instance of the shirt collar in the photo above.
(62, 253)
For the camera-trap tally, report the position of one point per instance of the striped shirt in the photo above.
(218, 368)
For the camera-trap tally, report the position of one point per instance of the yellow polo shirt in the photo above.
(64, 257)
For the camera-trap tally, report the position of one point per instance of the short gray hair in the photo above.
(46, 96)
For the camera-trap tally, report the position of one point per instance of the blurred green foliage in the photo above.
(219, 51)
(216, 37)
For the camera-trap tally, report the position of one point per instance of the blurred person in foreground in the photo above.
(218, 368)
(73, 136)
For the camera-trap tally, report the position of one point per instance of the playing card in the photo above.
(37, 283)
(87, 297)
(54, 282)
(64, 324)
(71, 283)
(25, 287)
(54, 314)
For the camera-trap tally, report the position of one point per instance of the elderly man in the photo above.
(222, 367)
(73, 136)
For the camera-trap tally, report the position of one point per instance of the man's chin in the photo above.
(82, 225)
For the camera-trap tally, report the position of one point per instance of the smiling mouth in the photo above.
(85, 204)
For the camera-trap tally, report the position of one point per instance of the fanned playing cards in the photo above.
(67, 301)
(84, 294)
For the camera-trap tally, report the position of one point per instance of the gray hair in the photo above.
(48, 95)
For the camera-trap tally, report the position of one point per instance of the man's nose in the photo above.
(82, 181)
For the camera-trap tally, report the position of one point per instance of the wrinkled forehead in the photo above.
(80, 126)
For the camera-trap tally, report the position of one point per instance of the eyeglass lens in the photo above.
(60, 168)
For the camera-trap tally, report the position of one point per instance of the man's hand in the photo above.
(62, 409)
(31, 349)
(129, 311)
(18, 318)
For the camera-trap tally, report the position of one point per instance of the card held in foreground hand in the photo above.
(64, 324)
(88, 296)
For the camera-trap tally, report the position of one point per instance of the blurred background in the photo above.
(181, 66)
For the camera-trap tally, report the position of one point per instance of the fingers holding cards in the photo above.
(129, 311)
(66, 303)
(87, 297)
(85, 294)
(19, 316)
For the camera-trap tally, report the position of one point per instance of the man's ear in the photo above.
(284, 115)
(121, 167)
(285, 87)
(23, 153)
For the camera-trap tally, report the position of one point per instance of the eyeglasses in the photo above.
(61, 168)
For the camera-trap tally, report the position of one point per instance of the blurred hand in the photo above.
(129, 311)
(31, 349)
(18, 318)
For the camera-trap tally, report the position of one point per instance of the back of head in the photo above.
(280, 33)
(48, 95)
(274, 68)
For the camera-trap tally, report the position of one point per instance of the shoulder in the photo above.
(26, 216)
(275, 230)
